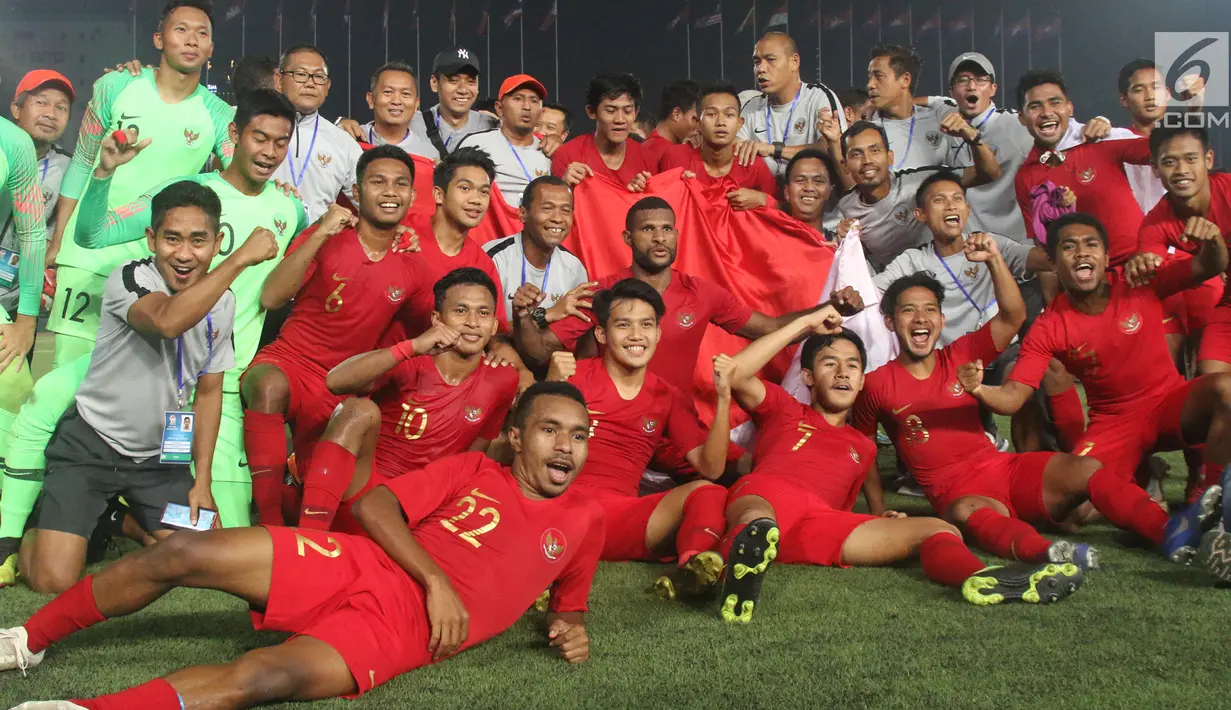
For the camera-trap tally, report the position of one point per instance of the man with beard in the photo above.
(513, 147)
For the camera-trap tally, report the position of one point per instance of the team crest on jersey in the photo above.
(686, 319)
(933, 139)
(955, 389)
(190, 138)
(799, 126)
(1131, 324)
(395, 294)
(553, 544)
(324, 160)
(902, 216)
(854, 455)
(280, 225)
(649, 425)
(972, 272)
(473, 414)
(1086, 176)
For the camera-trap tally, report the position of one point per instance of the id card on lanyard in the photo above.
(179, 425)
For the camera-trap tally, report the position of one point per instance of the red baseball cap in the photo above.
(39, 77)
(517, 81)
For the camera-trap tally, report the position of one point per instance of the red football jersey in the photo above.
(795, 441)
(1095, 174)
(656, 145)
(754, 177)
(499, 548)
(691, 304)
(423, 418)
(933, 423)
(625, 432)
(1162, 228)
(436, 265)
(347, 300)
(1120, 355)
(583, 150)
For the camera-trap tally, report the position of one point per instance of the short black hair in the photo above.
(930, 180)
(568, 116)
(527, 196)
(379, 152)
(466, 156)
(1128, 70)
(1162, 134)
(255, 71)
(1036, 78)
(684, 94)
(525, 401)
(262, 102)
(185, 193)
(713, 89)
(487, 103)
(627, 290)
(646, 204)
(854, 96)
(859, 127)
(1065, 220)
(394, 65)
(611, 85)
(206, 6)
(902, 59)
(816, 343)
(889, 299)
(465, 276)
(294, 49)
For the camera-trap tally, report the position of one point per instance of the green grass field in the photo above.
(1141, 634)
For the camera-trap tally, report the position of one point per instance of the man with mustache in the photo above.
(513, 147)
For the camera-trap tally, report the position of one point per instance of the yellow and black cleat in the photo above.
(8, 571)
(696, 577)
(1030, 583)
(753, 549)
(543, 603)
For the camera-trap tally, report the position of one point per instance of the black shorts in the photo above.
(83, 472)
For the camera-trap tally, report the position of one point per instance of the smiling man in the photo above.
(455, 79)
(513, 147)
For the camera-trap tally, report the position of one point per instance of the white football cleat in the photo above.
(49, 705)
(14, 651)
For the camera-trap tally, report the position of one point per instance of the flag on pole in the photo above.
(551, 17)
(1022, 25)
(512, 15)
(1050, 29)
(842, 18)
(961, 24)
(747, 20)
(453, 22)
(932, 23)
(873, 21)
(484, 20)
(235, 10)
(779, 18)
(714, 18)
(900, 20)
(682, 17)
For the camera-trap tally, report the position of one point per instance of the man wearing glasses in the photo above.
(322, 157)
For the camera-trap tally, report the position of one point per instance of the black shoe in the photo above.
(1031, 583)
(753, 549)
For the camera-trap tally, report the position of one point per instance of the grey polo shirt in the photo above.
(889, 227)
(965, 311)
(918, 141)
(449, 135)
(412, 143)
(132, 377)
(765, 123)
(516, 165)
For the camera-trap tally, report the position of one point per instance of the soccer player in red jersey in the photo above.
(808, 466)
(455, 556)
(714, 159)
(936, 428)
(631, 411)
(1093, 173)
(348, 283)
(677, 118)
(1110, 335)
(431, 397)
(611, 102)
(1196, 199)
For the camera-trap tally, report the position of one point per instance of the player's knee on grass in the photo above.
(266, 389)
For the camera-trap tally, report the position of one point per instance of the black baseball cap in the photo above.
(455, 60)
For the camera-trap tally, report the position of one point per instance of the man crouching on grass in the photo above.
(458, 552)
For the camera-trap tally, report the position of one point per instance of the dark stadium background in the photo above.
(1096, 36)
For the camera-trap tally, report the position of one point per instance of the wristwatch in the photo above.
(978, 139)
(539, 316)
(778, 146)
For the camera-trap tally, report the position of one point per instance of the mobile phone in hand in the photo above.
(180, 516)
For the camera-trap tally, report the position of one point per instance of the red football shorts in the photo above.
(344, 521)
(1189, 311)
(813, 532)
(345, 591)
(1216, 341)
(311, 402)
(1016, 480)
(1119, 441)
(627, 519)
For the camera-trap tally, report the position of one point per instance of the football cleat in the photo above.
(753, 549)
(15, 651)
(1030, 583)
(695, 578)
(1215, 553)
(8, 571)
(1183, 532)
(1079, 553)
(50, 705)
(543, 603)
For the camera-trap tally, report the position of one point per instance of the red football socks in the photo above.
(154, 695)
(946, 560)
(1007, 537)
(324, 484)
(71, 611)
(1068, 417)
(1127, 505)
(265, 443)
(704, 521)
